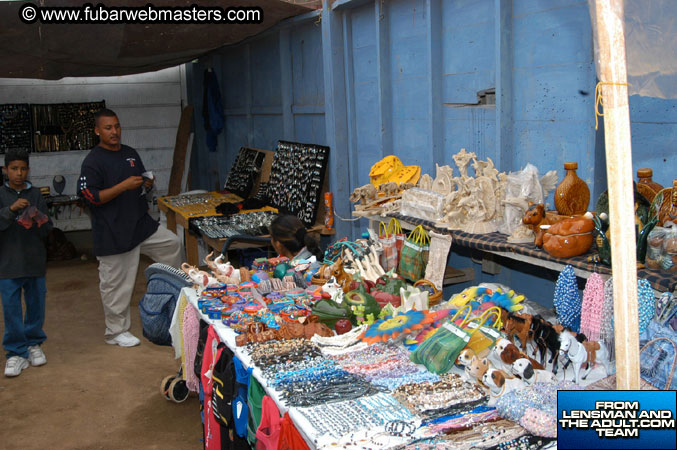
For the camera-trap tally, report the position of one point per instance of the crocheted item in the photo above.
(593, 304)
(514, 404)
(437, 258)
(540, 423)
(567, 299)
(191, 332)
(606, 335)
(647, 304)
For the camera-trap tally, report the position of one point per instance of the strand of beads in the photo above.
(450, 393)
(338, 419)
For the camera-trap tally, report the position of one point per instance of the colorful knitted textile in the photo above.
(567, 299)
(607, 331)
(647, 304)
(593, 305)
(190, 329)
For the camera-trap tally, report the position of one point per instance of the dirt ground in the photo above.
(91, 395)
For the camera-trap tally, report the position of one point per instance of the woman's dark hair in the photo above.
(289, 231)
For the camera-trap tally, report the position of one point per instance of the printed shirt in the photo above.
(123, 223)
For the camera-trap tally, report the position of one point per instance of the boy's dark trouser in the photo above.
(23, 332)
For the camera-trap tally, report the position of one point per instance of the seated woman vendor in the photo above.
(291, 239)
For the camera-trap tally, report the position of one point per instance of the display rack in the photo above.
(297, 179)
(15, 127)
(64, 126)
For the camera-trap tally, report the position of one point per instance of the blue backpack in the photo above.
(163, 286)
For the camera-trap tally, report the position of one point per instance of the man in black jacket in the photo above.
(111, 183)
(23, 226)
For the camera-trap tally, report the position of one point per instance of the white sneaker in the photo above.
(15, 365)
(125, 339)
(36, 356)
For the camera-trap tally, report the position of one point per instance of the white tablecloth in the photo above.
(227, 336)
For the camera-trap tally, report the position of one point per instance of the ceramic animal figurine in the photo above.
(578, 354)
(569, 237)
(545, 338)
(518, 325)
(525, 370)
(508, 353)
(223, 272)
(572, 196)
(535, 217)
(477, 368)
(467, 354)
(500, 383)
(199, 278)
(334, 289)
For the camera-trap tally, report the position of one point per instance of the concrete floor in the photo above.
(91, 395)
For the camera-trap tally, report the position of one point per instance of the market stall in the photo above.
(362, 350)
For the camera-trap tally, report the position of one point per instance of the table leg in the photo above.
(171, 221)
(191, 248)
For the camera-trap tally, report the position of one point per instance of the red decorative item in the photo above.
(343, 326)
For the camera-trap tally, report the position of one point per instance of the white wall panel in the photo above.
(149, 108)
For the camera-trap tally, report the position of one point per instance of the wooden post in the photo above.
(609, 15)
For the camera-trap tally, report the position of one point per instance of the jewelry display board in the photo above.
(64, 126)
(15, 127)
(245, 171)
(297, 179)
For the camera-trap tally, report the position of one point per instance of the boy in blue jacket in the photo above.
(24, 225)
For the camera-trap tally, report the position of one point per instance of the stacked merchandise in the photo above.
(358, 366)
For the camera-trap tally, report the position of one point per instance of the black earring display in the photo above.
(15, 127)
(64, 126)
(244, 172)
(297, 177)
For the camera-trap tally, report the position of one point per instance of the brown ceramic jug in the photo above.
(572, 195)
(646, 186)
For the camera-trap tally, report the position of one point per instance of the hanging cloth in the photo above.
(212, 109)
(290, 438)
(268, 433)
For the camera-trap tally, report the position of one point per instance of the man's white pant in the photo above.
(117, 276)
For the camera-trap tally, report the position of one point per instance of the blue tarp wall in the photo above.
(373, 78)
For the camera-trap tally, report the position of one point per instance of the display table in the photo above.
(227, 336)
(179, 212)
(497, 244)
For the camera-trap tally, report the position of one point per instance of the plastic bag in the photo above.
(413, 260)
(661, 253)
(521, 188)
(395, 228)
(484, 336)
(439, 352)
(389, 256)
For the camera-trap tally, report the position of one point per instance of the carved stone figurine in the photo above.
(364, 194)
(389, 189)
